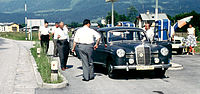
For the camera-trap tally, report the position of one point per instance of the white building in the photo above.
(35, 24)
(148, 18)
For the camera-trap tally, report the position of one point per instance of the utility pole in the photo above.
(156, 11)
(112, 1)
(25, 7)
(112, 14)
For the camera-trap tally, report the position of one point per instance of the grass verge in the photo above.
(197, 48)
(44, 66)
(18, 35)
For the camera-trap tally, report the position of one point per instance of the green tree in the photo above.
(75, 25)
(117, 17)
(195, 21)
(131, 16)
(132, 13)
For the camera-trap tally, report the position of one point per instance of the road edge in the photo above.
(175, 66)
(39, 80)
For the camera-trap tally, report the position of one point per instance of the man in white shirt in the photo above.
(44, 37)
(62, 37)
(85, 40)
(149, 32)
(54, 29)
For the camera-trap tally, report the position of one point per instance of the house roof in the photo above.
(6, 24)
(151, 16)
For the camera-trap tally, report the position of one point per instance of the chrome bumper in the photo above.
(134, 66)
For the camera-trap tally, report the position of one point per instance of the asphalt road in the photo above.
(17, 76)
(186, 81)
(16, 71)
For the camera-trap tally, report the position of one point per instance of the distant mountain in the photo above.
(77, 10)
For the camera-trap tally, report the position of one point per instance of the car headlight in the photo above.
(156, 60)
(164, 51)
(131, 61)
(121, 52)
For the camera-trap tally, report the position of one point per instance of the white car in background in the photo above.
(178, 44)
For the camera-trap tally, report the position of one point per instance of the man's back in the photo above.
(86, 35)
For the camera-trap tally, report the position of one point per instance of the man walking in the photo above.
(54, 29)
(62, 37)
(85, 41)
(44, 37)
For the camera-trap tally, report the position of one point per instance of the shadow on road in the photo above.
(69, 66)
(124, 75)
(2, 41)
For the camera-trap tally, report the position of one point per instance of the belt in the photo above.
(44, 35)
(84, 44)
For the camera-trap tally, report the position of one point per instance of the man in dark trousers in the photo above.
(62, 37)
(84, 40)
(44, 37)
(54, 29)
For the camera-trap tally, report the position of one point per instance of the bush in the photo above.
(197, 48)
(197, 33)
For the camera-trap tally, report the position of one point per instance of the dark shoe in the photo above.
(92, 78)
(85, 80)
(66, 68)
(63, 69)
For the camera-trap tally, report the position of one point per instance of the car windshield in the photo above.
(124, 36)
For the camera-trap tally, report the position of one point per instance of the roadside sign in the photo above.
(111, 0)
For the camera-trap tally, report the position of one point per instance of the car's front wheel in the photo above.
(160, 73)
(110, 71)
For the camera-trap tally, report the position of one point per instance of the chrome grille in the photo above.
(129, 56)
(143, 55)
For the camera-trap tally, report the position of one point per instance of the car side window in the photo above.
(103, 38)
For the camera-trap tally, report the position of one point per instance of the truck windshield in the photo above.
(124, 35)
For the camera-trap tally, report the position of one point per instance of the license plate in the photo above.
(144, 67)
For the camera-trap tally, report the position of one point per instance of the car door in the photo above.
(100, 54)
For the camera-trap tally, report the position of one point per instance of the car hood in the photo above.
(129, 47)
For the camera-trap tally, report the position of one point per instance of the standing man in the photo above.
(44, 37)
(85, 41)
(54, 29)
(149, 32)
(62, 37)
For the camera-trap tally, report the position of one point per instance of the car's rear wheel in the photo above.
(160, 73)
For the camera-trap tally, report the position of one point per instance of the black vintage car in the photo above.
(126, 48)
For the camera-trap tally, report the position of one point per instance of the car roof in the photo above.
(106, 29)
(92, 27)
